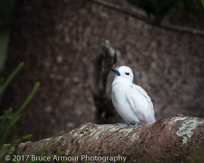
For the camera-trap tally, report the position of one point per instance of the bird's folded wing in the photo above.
(144, 94)
(142, 91)
(140, 104)
(132, 97)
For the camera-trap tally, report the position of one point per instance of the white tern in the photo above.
(131, 101)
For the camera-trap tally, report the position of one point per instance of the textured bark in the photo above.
(174, 139)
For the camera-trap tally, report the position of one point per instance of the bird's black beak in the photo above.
(115, 71)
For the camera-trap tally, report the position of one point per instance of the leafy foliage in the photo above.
(160, 8)
(4, 84)
(9, 118)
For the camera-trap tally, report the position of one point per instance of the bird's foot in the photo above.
(124, 123)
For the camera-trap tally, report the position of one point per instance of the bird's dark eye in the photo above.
(127, 73)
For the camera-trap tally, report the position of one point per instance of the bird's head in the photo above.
(124, 72)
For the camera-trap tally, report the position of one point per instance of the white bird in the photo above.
(131, 101)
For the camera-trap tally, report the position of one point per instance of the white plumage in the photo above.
(131, 101)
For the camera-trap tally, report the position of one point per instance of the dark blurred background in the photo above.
(58, 41)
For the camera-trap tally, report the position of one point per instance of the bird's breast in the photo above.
(119, 97)
(121, 104)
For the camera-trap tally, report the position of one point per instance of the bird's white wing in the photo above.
(142, 91)
(133, 97)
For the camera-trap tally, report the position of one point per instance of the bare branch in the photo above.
(174, 139)
(104, 108)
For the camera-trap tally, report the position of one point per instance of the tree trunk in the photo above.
(105, 111)
(175, 139)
